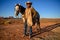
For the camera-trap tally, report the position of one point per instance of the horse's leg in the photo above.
(38, 24)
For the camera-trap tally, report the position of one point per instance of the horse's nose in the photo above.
(17, 8)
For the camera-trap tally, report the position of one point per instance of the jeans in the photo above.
(25, 29)
(30, 31)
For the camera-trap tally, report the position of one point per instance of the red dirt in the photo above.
(14, 30)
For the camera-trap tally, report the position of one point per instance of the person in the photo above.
(29, 15)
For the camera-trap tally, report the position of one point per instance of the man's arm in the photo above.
(34, 12)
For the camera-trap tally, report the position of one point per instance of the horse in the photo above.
(21, 9)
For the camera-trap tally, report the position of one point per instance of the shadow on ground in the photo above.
(47, 32)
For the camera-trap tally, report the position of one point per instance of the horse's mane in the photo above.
(22, 9)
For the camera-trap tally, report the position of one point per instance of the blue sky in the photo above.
(46, 8)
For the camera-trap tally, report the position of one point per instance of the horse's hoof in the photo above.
(38, 30)
(30, 37)
(24, 35)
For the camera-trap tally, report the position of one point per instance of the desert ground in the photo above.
(12, 29)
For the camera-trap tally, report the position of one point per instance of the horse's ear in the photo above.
(19, 4)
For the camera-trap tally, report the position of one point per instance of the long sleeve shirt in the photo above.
(29, 14)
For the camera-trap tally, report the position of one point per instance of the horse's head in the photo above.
(19, 8)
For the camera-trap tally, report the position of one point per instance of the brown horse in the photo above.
(21, 9)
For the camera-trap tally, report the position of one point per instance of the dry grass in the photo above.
(12, 29)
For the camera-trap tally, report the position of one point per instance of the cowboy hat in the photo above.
(28, 2)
